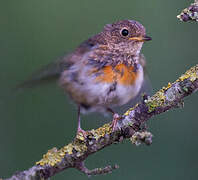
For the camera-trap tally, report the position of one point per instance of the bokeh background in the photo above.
(34, 33)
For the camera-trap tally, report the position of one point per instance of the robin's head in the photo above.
(126, 35)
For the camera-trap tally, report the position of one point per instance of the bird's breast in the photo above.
(104, 86)
(121, 82)
(121, 74)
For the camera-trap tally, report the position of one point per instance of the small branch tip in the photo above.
(190, 13)
(97, 171)
(141, 137)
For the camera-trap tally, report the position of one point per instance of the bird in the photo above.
(103, 72)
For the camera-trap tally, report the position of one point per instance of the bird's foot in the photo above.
(81, 134)
(116, 118)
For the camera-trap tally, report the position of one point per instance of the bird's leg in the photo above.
(79, 130)
(116, 117)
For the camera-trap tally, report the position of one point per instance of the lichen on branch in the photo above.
(190, 13)
(130, 126)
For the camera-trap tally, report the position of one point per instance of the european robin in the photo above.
(104, 71)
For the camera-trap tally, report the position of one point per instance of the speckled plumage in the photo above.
(90, 61)
(104, 71)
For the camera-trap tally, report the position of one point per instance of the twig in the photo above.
(131, 125)
(190, 13)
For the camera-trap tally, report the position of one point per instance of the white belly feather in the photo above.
(99, 95)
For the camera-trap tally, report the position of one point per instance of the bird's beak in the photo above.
(141, 38)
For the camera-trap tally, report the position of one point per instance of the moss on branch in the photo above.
(131, 125)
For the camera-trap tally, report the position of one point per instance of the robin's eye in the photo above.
(125, 32)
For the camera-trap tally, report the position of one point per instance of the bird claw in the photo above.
(81, 134)
(116, 118)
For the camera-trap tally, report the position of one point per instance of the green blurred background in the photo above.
(35, 32)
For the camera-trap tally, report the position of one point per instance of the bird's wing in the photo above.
(52, 71)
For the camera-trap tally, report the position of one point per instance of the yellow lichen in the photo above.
(68, 149)
(156, 100)
(52, 157)
(100, 132)
(167, 87)
(191, 74)
(159, 98)
(131, 109)
(128, 111)
(79, 146)
(80, 136)
(152, 102)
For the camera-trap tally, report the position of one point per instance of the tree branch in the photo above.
(190, 13)
(131, 125)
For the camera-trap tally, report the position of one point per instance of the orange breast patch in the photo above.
(121, 74)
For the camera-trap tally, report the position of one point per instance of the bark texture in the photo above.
(190, 13)
(131, 125)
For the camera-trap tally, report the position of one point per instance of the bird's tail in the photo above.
(47, 74)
